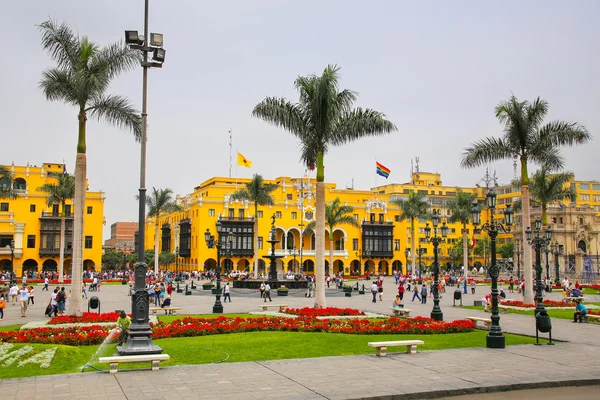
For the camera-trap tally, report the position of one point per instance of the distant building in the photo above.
(122, 236)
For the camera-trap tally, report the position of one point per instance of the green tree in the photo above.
(322, 118)
(335, 214)
(482, 248)
(461, 207)
(112, 259)
(530, 140)
(81, 78)
(6, 183)
(259, 193)
(412, 208)
(160, 203)
(547, 188)
(506, 250)
(166, 258)
(60, 192)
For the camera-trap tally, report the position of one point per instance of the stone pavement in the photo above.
(428, 374)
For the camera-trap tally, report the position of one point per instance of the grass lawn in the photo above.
(169, 318)
(560, 314)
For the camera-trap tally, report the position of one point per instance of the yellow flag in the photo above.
(243, 161)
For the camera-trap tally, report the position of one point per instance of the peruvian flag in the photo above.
(473, 241)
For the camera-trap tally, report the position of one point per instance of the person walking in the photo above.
(226, 293)
(267, 292)
(23, 296)
(2, 305)
(46, 282)
(61, 300)
(472, 286)
(424, 293)
(374, 291)
(30, 296)
(262, 290)
(13, 292)
(416, 292)
(380, 289)
(401, 291)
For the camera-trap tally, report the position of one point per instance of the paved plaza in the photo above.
(428, 374)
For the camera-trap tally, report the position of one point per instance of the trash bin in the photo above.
(93, 303)
(543, 322)
(457, 296)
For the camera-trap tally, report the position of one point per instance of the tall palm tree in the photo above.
(81, 78)
(335, 214)
(160, 203)
(526, 137)
(259, 193)
(461, 207)
(323, 117)
(547, 188)
(60, 192)
(415, 206)
(6, 183)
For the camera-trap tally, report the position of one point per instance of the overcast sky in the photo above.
(437, 69)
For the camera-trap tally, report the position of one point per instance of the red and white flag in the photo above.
(473, 241)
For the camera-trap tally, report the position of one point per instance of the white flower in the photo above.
(44, 358)
(15, 355)
(5, 347)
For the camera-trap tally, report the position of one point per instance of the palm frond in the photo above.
(360, 123)
(60, 191)
(414, 207)
(57, 84)
(117, 110)
(61, 43)
(115, 59)
(561, 133)
(487, 150)
(282, 113)
(461, 206)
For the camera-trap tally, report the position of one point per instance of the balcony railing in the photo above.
(368, 222)
(234, 218)
(51, 214)
(53, 252)
(307, 253)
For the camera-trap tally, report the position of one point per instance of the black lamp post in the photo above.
(495, 338)
(177, 261)
(547, 251)
(539, 243)
(210, 243)
(518, 252)
(12, 257)
(420, 253)
(436, 313)
(556, 250)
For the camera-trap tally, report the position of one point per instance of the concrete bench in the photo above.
(486, 321)
(171, 310)
(590, 316)
(573, 299)
(381, 347)
(502, 308)
(114, 361)
(281, 307)
(401, 312)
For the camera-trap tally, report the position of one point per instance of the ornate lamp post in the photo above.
(556, 250)
(539, 243)
(225, 238)
(177, 262)
(518, 252)
(495, 339)
(436, 313)
(420, 252)
(547, 251)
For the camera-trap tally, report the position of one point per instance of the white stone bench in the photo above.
(115, 360)
(171, 310)
(281, 307)
(573, 299)
(486, 321)
(401, 312)
(502, 308)
(590, 316)
(381, 347)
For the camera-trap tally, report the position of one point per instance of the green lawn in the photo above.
(169, 318)
(560, 314)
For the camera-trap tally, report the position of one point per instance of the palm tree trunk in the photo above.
(528, 298)
(77, 259)
(465, 251)
(544, 214)
(61, 252)
(413, 254)
(320, 234)
(156, 248)
(255, 272)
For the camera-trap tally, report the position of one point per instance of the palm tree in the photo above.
(160, 203)
(60, 192)
(549, 188)
(461, 212)
(6, 183)
(335, 214)
(81, 78)
(415, 206)
(322, 118)
(259, 193)
(526, 137)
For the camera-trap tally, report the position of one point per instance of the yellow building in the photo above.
(379, 244)
(35, 227)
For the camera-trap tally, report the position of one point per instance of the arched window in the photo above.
(580, 221)
(20, 184)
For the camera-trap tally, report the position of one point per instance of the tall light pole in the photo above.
(518, 252)
(556, 250)
(224, 238)
(12, 258)
(495, 338)
(436, 313)
(539, 243)
(140, 340)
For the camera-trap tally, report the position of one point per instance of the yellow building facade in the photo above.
(380, 244)
(34, 227)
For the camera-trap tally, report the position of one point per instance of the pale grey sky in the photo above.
(436, 68)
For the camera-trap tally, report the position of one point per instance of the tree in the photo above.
(482, 248)
(160, 203)
(60, 192)
(81, 78)
(112, 259)
(6, 183)
(322, 118)
(335, 214)
(414, 207)
(461, 207)
(527, 138)
(506, 250)
(546, 188)
(166, 258)
(259, 193)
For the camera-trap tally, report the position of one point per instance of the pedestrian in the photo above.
(472, 286)
(2, 305)
(267, 292)
(380, 289)
(580, 312)
(401, 291)
(23, 296)
(424, 293)
(374, 291)
(83, 291)
(61, 300)
(13, 292)
(54, 303)
(226, 293)
(465, 285)
(262, 290)
(309, 288)
(416, 292)
(30, 296)
(46, 282)
(123, 323)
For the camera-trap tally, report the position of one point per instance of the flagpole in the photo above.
(236, 169)
(230, 147)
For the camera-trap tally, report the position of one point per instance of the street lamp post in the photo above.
(547, 251)
(12, 258)
(420, 253)
(539, 243)
(557, 253)
(495, 338)
(210, 243)
(518, 252)
(177, 262)
(436, 313)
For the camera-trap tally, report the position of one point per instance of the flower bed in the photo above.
(323, 312)
(592, 312)
(87, 317)
(549, 303)
(594, 286)
(186, 327)
(65, 282)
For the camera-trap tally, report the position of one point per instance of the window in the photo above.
(259, 215)
(32, 208)
(211, 212)
(4, 207)
(67, 210)
(289, 196)
(241, 213)
(372, 217)
(355, 244)
(453, 230)
(396, 245)
(560, 220)
(89, 210)
(88, 242)
(397, 218)
(231, 213)
(553, 220)
(260, 241)
(278, 214)
(597, 197)
(31, 241)
(584, 197)
(355, 216)
(584, 186)
(596, 186)
(294, 215)
(380, 218)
